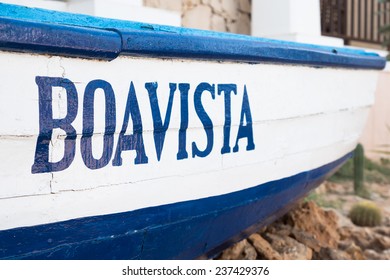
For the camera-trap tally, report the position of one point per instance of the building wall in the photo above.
(376, 136)
(219, 15)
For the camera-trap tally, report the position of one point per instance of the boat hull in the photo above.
(184, 230)
(165, 206)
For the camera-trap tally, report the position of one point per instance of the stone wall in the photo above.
(219, 15)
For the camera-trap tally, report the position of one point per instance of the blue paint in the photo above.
(47, 123)
(204, 118)
(134, 141)
(88, 124)
(245, 131)
(184, 230)
(227, 89)
(182, 151)
(159, 127)
(47, 38)
(105, 38)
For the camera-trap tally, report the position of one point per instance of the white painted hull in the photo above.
(303, 118)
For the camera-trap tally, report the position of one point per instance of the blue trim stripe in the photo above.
(59, 39)
(184, 230)
(142, 39)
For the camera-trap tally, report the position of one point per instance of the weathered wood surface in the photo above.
(298, 118)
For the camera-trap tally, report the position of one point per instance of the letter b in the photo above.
(47, 124)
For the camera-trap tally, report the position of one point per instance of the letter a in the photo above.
(245, 131)
(134, 141)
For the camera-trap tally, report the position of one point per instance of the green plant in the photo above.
(323, 200)
(366, 214)
(358, 172)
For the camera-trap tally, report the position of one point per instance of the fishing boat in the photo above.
(126, 140)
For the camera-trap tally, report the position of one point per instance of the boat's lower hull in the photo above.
(184, 230)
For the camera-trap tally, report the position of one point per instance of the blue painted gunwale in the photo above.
(36, 28)
(184, 230)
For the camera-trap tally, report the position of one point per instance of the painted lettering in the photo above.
(245, 131)
(204, 118)
(47, 123)
(204, 93)
(88, 124)
(159, 128)
(227, 89)
(182, 153)
(134, 141)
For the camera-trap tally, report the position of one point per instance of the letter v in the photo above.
(160, 128)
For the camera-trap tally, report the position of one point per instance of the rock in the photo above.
(330, 254)
(243, 24)
(306, 239)
(216, 6)
(345, 232)
(232, 26)
(379, 243)
(343, 221)
(383, 231)
(172, 5)
(289, 248)
(230, 9)
(355, 252)
(244, 6)
(386, 254)
(218, 23)
(263, 248)
(373, 255)
(188, 4)
(280, 228)
(314, 220)
(242, 250)
(198, 17)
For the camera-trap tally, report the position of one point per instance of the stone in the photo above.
(355, 252)
(322, 225)
(366, 238)
(263, 248)
(197, 17)
(218, 23)
(280, 228)
(289, 248)
(345, 232)
(306, 239)
(189, 4)
(232, 26)
(330, 254)
(172, 5)
(242, 250)
(245, 6)
(243, 24)
(382, 231)
(373, 255)
(230, 8)
(380, 243)
(216, 6)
